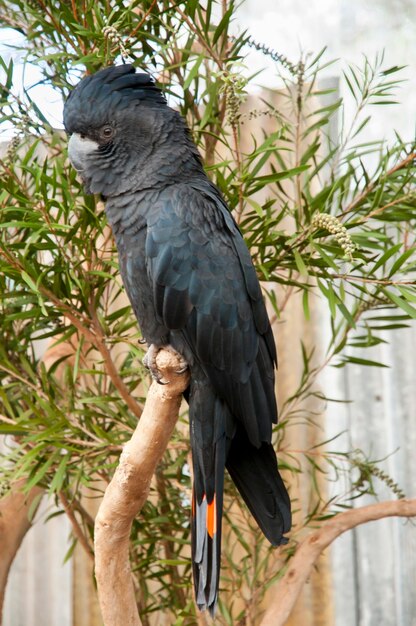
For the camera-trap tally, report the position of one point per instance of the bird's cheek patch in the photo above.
(78, 150)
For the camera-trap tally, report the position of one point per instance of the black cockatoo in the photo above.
(193, 287)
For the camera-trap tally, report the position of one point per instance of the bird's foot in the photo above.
(149, 361)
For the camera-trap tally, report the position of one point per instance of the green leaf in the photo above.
(223, 25)
(261, 181)
(305, 304)
(193, 72)
(386, 256)
(41, 472)
(59, 477)
(402, 304)
(401, 261)
(393, 70)
(29, 282)
(358, 361)
(300, 263)
(317, 57)
(328, 261)
(329, 295)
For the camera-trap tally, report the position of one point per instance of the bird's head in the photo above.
(119, 123)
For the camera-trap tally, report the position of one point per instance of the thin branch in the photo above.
(58, 25)
(76, 528)
(370, 187)
(298, 134)
(380, 209)
(142, 21)
(111, 369)
(86, 516)
(23, 380)
(193, 28)
(287, 590)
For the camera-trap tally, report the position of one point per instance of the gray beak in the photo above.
(79, 148)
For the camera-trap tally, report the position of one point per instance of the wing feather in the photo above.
(205, 285)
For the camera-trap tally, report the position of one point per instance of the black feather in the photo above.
(209, 417)
(255, 473)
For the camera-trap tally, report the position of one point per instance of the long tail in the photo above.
(209, 418)
(255, 474)
(216, 442)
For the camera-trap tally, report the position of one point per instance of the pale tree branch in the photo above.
(127, 493)
(14, 524)
(287, 590)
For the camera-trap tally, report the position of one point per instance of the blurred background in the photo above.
(369, 578)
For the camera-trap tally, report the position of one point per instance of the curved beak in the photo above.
(79, 148)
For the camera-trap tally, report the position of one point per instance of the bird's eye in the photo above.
(107, 132)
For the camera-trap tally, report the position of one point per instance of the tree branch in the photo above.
(287, 590)
(14, 524)
(112, 371)
(76, 528)
(355, 203)
(127, 493)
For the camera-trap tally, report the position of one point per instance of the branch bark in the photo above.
(127, 493)
(287, 590)
(14, 524)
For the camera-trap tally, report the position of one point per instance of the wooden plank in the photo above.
(379, 587)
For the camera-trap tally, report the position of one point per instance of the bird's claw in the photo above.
(149, 361)
(183, 365)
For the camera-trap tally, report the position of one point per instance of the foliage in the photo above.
(327, 216)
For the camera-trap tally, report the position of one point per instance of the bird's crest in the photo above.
(116, 85)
